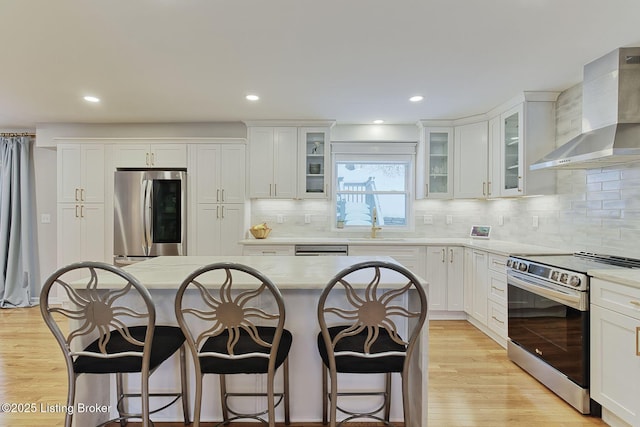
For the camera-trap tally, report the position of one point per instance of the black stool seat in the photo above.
(166, 341)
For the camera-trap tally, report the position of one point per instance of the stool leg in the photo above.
(121, 400)
(223, 398)
(325, 403)
(387, 396)
(287, 417)
(183, 385)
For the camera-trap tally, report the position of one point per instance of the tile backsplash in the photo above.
(595, 210)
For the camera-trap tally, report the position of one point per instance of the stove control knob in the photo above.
(522, 266)
(510, 263)
(574, 281)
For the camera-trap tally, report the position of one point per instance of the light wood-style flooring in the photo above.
(471, 381)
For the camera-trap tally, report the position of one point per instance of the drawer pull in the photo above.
(634, 302)
(637, 340)
(497, 320)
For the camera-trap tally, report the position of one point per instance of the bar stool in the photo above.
(119, 325)
(359, 333)
(235, 325)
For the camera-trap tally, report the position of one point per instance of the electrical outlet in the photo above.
(428, 219)
(307, 218)
(534, 221)
(279, 218)
(45, 218)
(449, 219)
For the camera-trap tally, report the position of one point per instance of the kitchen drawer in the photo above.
(497, 318)
(615, 296)
(498, 263)
(498, 287)
(268, 250)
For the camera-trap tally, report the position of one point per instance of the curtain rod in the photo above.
(12, 134)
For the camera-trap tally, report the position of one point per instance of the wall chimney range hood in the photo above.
(610, 116)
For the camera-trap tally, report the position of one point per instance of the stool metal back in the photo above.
(110, 330)
(234, 323)
(360, 331)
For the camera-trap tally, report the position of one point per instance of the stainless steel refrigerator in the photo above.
(149, 214)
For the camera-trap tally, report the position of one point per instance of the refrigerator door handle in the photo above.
(146, 216)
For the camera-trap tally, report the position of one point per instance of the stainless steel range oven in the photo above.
(548, 320)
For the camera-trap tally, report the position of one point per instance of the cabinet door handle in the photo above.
(82, 194)
(223, 212)
(484, 188)
(223, 194)
(275, 189)
(426, 188)
(77, 189)
(489, 188)
(77, 216)
(519, 186)
(81, 211)
(443, 253)
(270, 189)
(217, 211)
(638, 341)
(147, 161)
(153, 160)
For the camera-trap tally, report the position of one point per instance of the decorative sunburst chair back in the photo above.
(233, 318)
(370, 317)
(91, 313)
(230, 300)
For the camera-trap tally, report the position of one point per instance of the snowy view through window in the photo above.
(362, 186)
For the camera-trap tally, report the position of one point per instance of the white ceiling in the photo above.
(347, 60)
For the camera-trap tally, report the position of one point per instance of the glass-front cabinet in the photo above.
(314, 168)
(439, 163)
(512, 156)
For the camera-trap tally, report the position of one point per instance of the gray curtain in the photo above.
(19, 271)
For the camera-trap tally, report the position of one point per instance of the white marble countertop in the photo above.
(500, 247)
(286, 272)
(629, 277)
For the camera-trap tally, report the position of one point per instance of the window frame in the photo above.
(381, 156)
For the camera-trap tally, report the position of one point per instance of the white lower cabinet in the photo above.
(444, 273)
(479, 285)
(615, 351)
(219, 227)
(411, 257)
(268, 250)
(497, 296)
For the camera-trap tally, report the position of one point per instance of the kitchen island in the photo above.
(301, 280)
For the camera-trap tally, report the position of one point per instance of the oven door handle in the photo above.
(573, 300)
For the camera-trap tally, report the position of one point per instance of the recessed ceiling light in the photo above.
(416, 98)
(91, 99)
(378, 122)
(252, 97)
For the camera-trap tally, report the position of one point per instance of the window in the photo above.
(373, 184)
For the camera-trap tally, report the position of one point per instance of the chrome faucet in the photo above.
(374, 221)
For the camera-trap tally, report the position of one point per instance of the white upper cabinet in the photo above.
(436, 180)
(273, 161)
(471, 161)
(527, 133)
(220, 170)
(80, 173)
(158, 155)
(314, 167)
